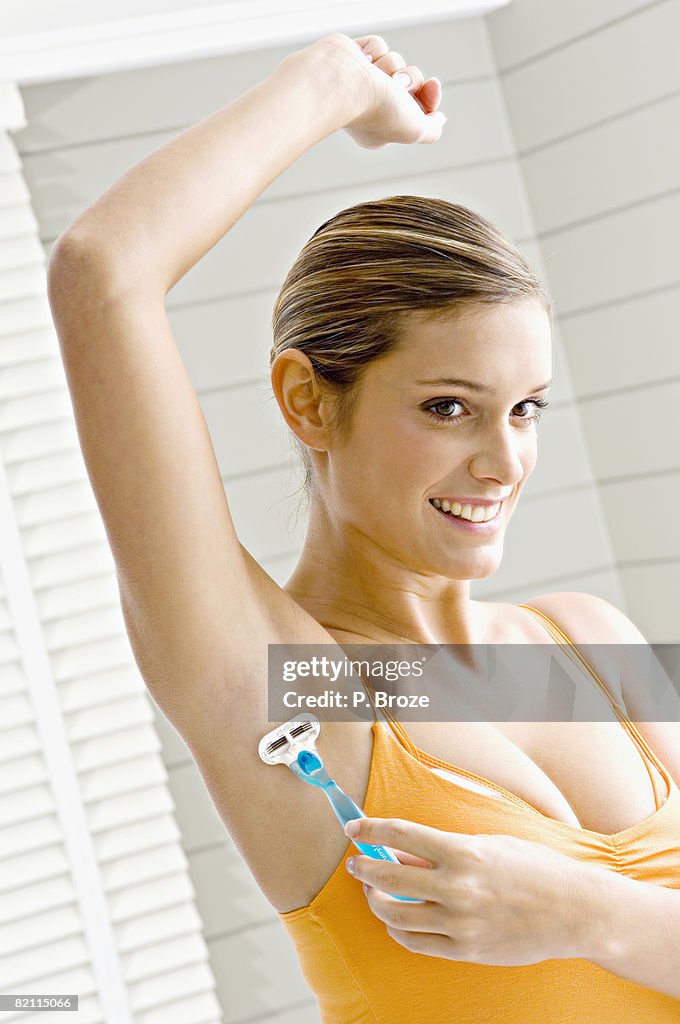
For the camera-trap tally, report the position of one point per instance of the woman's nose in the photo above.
(501, 455)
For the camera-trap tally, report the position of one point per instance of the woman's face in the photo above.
(416, 435)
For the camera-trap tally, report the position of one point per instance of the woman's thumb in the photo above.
(435, 123)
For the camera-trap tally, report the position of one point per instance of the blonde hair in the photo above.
(345, 299)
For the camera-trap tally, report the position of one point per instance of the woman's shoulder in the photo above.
(584, 618)
(599, 630)
(587, 618)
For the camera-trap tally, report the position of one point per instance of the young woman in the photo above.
(411, 358)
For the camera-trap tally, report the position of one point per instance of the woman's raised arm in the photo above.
(198, 608)
(163, 215)
(191, 594)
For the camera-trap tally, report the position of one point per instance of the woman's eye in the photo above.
(445, 404)
(535, 406)
(441, 410)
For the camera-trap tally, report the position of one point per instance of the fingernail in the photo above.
(350, 865)
(368, 56)
(402, 77)
(352, 828)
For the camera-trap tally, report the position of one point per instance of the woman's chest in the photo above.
(587, 771)
(588, 774)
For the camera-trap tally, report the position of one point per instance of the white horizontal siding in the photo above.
(265, 442)
(220, 872)
(268, 975)
(629, 252)
(264, 514)
(27, 868)
(592, 92)
(533, 27)
(605, 582)
(643, 519)
(626, 344)
(142, 835)
(653, 598)
(628, 62)
(634, 433)
(225, 342)
(572, 181)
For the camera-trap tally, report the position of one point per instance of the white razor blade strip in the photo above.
(282, 745)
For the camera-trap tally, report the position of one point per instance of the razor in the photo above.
(293, 744)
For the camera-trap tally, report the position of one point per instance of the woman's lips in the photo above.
(479, 528)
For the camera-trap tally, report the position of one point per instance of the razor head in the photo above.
(283, 744)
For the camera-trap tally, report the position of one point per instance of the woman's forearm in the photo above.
(161, 217)
(637, 931)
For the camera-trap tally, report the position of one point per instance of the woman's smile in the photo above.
(481, 528)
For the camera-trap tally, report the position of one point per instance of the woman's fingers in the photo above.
(414, 73)
(410, 858)
(430, 94)
(428, 91)
(391, 62)
(390, 117)
(375, 45)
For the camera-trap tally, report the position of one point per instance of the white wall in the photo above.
(593, 96)
(220, 310)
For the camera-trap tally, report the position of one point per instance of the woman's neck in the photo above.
(385, 608)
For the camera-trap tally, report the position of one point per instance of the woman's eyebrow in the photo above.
(472, 385)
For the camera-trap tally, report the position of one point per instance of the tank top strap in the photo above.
(573, 652)
(387, 716)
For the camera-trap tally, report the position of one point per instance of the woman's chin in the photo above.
(477, 564)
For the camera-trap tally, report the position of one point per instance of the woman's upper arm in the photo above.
(192, 596)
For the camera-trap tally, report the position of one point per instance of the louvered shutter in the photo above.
(95, 896)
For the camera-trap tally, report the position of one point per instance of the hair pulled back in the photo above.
(345, 299)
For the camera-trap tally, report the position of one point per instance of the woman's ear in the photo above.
(304, 404)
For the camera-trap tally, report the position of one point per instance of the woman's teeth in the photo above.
(475, 513)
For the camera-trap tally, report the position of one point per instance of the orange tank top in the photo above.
(360, 975)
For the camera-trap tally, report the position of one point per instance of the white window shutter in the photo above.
(95, 896)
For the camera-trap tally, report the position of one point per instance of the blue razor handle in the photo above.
(309, 768)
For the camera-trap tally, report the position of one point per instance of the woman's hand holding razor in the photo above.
(491, 899)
